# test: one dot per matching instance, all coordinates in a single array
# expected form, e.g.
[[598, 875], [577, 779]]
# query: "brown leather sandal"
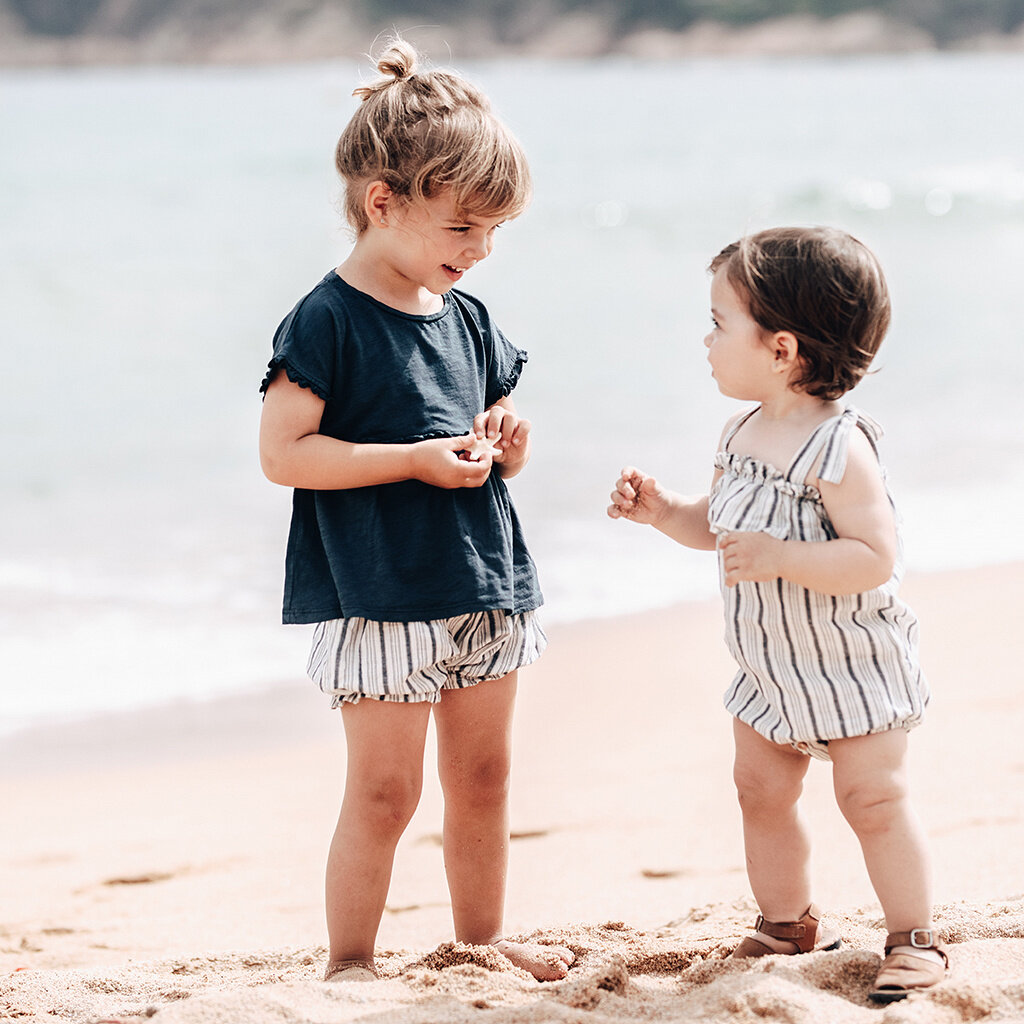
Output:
[[903, 973], [803, 935]]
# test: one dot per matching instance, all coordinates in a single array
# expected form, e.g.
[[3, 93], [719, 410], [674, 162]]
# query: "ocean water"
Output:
[[156, 225]]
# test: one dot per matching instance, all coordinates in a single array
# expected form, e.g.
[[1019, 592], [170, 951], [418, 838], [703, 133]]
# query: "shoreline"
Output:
[[326, 33], [230, 716]]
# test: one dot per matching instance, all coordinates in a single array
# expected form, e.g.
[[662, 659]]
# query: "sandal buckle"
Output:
[[922, 938]]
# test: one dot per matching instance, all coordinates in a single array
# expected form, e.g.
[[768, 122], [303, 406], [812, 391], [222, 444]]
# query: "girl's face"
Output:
[[430, 245], [740, 356]]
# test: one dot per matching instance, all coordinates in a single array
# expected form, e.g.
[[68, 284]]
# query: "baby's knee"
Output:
[[762, 793], [872, 806]]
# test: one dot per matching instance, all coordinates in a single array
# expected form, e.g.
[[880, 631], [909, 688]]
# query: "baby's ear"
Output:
[[786, 350]]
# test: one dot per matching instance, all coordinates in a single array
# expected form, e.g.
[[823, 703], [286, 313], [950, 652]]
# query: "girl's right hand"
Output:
[[638, 497], [436, 462]]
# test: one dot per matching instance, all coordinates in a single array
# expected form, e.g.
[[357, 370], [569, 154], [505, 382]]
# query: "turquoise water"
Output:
[[156, 224]]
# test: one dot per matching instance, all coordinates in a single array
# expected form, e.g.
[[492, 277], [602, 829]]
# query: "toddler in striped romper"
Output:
[[809, 551], [388, 409]]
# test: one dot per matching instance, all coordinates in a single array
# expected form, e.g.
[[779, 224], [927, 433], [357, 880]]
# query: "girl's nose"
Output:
[[707, 340], [479, 248]]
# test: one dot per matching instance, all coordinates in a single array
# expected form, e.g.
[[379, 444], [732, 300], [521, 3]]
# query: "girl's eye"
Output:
[[460, 230]]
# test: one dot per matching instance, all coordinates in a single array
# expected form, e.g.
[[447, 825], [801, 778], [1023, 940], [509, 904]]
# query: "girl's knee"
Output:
[[480, 782], [387, 802]]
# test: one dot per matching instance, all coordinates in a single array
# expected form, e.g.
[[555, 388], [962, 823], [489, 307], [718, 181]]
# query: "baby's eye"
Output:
[[461, 230]]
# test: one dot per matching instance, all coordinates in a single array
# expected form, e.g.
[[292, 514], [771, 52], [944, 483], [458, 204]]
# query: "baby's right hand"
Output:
[[637, 497], [436, 462]]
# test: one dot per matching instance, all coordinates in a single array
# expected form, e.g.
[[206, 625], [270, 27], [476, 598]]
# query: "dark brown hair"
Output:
[[424, 132], [823, 287]]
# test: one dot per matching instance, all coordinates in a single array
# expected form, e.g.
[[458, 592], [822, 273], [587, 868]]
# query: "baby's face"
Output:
[[740, 357]]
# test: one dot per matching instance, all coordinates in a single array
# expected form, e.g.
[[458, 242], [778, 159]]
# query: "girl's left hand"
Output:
[[505, 430], [753, 557]]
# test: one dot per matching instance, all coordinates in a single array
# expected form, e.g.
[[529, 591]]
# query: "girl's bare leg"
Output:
[[769, 780], [870, 781], [474, 749], [382, 788]]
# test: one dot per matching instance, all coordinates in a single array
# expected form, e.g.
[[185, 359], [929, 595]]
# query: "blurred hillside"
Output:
[[86, 31]]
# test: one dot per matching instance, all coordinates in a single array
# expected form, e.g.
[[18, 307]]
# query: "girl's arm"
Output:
[[294, 454], [859, 559], [643, 500], [504, 428]]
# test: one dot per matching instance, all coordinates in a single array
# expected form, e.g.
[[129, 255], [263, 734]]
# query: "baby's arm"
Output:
[[859, 559], [643, 500], [295, 454], [508, 432]]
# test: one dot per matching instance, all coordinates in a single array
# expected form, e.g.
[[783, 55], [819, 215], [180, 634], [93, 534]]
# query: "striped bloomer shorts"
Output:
[[354, 658]]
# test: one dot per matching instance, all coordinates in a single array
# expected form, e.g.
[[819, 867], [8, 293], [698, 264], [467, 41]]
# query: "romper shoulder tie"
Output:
[[831, 441], [740, 420]]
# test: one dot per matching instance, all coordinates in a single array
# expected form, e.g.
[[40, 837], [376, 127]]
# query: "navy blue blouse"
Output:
[[404, 551]]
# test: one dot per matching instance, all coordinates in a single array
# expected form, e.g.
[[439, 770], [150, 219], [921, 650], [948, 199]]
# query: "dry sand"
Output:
[[167, 865]]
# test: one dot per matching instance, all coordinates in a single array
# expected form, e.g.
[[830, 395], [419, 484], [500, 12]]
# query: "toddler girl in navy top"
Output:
[[387, 408]]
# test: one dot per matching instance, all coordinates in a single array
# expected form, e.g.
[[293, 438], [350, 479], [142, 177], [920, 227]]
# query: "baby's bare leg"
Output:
[[870, 781], [474, 741], [382, 787], [769, 780]]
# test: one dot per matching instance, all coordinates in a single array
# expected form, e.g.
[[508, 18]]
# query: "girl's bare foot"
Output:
[[545, 963], [351, 970]]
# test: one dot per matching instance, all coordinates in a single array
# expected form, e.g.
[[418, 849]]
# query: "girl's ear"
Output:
[[375, 203], [786, 350]]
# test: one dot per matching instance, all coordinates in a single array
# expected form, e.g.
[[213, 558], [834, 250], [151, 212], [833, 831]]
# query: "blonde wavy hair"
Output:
[[426, 132]]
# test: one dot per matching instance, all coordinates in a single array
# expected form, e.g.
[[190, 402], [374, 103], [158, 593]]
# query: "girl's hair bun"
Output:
[[398, 61]]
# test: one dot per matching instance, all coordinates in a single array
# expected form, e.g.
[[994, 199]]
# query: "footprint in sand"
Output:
[[413, 906], [435, 838], [146, 879]]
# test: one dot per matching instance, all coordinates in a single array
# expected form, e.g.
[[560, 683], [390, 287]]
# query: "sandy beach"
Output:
[[167, 865]]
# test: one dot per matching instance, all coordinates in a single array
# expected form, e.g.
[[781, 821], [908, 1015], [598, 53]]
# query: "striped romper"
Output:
[[812, 666]]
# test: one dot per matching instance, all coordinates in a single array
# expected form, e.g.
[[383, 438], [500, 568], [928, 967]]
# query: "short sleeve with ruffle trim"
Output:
[[306, 345], [505, 361], [510, 361]]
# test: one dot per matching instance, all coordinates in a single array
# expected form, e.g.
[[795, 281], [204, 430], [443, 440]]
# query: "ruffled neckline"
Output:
[[746, 467]]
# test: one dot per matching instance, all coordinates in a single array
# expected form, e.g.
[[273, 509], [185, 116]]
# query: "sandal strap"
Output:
[[780, 929], [918, 938], [794, 931]]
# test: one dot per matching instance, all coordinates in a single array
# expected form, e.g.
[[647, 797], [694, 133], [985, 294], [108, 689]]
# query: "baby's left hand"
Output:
[[754, 557], [503, 430]]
